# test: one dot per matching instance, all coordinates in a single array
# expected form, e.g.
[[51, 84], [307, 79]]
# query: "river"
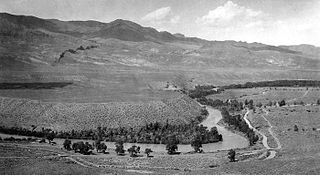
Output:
[[230, 139]]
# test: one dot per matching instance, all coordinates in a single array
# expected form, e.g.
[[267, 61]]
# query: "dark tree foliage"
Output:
[[148, 151], [100, 147], [282, 103], [202, 91], [83, 148], [239, 124], [197, 144], [172, 145], [232, 155], [80, 48], [119, 148], [276, 83], [67, 144], [231, 105], [50, 136], [134, 150], [155, 133]]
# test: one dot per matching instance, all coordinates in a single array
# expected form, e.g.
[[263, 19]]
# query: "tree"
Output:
[[259, 105], [67, 144], [246, 102], [100, 147], [83, 148], [50, 136], [148, 151], [119, 148], [232, 155], [196, 143], [250, 104], [282, 103], [295, 128], [133, 151], [172, 145]]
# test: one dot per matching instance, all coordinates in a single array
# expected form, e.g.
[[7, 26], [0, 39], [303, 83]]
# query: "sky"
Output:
[[276, 22]]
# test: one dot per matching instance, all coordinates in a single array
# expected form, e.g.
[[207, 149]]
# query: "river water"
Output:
[[230, 140]]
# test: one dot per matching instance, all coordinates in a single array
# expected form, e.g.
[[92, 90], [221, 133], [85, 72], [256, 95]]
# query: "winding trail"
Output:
[[264, 137], [270, 130]]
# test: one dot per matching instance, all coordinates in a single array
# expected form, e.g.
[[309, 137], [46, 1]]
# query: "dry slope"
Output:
[[67, 116]]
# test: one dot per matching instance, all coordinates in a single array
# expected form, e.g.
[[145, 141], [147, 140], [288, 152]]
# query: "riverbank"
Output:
[[230, 139]]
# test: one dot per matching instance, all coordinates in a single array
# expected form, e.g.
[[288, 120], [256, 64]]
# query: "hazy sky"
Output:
[[268, 21]]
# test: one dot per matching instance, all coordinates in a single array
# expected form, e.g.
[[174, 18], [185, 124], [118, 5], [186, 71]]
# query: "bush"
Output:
[[172, 145], [83, 148], [148, 151], [80, 48], [119, 148], [67, 144], [282, 103], [232, 155], [197, 144], [134, 150]]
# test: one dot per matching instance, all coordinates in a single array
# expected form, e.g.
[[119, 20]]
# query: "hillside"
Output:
[[128, 43], [85, 116], [122, 61], [305, 49]]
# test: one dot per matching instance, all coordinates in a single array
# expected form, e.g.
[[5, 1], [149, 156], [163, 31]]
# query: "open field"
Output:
[[304, 141], [308, 95]]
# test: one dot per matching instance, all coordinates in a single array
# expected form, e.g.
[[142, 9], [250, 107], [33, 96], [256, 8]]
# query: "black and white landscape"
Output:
[[84, 90]]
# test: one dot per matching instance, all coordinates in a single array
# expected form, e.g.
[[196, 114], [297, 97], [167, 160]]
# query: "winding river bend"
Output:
[[230, 139]]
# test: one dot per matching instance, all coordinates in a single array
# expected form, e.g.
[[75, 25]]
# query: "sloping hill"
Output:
[[78, 116], [305, 49]]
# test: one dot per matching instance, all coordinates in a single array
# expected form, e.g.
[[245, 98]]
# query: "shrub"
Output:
[[197, 144], [148, 151], [172, 145], [67, 144], [232, 155], [119, 148]]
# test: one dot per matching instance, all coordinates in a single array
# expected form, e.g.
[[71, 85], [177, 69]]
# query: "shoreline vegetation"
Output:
[[35, 85], [160, 133]]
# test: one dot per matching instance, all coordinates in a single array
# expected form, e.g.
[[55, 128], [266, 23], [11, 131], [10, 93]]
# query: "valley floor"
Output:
[[290, 152]]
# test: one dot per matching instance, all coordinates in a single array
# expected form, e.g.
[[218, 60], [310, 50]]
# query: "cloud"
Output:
[[231, 21], [175, 19], [157, 15], [162, 19], [230, 13]]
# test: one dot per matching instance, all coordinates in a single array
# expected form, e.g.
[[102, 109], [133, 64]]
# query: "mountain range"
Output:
[[30, 43]]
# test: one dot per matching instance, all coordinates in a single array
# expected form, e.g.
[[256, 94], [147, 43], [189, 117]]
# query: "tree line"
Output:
[[275, 83], [152, 133]]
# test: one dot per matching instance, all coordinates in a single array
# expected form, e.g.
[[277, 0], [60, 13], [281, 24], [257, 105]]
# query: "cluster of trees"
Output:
[[231, 105], [46, 133], [155, 133], [75, 51], [276, 83], [86, 148], [202, 91], [239, 124], [12, 139], [37, 85]]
